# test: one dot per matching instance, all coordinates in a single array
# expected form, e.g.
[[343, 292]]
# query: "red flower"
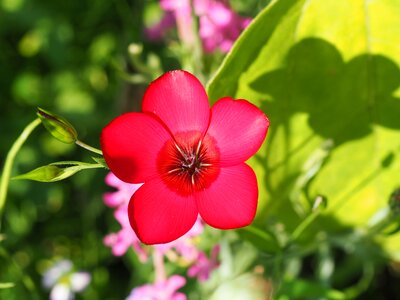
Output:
[[190, 158]]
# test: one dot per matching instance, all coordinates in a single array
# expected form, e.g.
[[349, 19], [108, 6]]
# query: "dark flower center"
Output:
[[189, 163]]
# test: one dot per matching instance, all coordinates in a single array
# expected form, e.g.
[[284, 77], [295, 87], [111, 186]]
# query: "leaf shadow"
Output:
[[343, 101]]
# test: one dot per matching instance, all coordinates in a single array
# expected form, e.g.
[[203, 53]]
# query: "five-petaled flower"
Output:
[[190, 158]]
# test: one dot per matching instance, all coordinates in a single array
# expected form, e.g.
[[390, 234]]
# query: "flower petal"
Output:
[[130, 145], [239, 128], [174, 283], [231, 200], [61, 291], [79, 281], [179, 100], [159, 215]]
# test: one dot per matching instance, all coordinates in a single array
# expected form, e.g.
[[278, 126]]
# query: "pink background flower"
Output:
[[219, 25], [125, 238], [184, 246], [164, 290], [203, 265], [119, 199]]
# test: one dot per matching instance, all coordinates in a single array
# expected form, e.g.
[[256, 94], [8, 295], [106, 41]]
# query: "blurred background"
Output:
[[62, 56], [90, 61], [87, 61]]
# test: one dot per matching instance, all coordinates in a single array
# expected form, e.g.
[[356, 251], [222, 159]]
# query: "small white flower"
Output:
[[63, 282], [79, 281], [61, 291], [53, 274]]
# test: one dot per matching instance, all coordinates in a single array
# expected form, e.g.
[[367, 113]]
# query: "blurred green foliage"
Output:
[[62, 56], [90, 61]]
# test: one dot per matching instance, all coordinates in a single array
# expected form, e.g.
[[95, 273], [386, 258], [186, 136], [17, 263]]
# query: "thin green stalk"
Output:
[[5, 178], [277, 272], [135, 51], [22, 276], [363, 284], [197, 51], [92, 166], [87, 147], [267, 237], [158, 262], [304, 224], [188, 33]]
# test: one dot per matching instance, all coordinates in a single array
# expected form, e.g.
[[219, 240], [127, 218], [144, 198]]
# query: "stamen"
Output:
[[204, 165], [174, 170], [193, 179], [189, 163], [198, 148], [180, 150]]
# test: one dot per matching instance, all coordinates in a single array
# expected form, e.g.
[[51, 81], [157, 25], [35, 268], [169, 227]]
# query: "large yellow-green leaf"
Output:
[[326, 72]]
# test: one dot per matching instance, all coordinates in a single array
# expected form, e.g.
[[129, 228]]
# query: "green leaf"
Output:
[[57, 171], [299, 289], [322, 70], [58, 127]]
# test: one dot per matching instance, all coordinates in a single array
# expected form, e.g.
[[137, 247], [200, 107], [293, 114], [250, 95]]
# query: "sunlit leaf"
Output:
[[322, 70]]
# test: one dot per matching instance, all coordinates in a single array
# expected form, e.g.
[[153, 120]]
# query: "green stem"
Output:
[[5, 178], [21, 275], [260, 233], [363, 284], [304, 224], [197, 51], [135, 51], [191, 46], [87, 147], [277, 272], [92, 166], [158, 261]]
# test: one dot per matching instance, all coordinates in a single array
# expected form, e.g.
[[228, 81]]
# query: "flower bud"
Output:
[[58, 127]]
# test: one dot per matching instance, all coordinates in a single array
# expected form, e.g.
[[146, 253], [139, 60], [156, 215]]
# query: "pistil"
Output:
[[189, 162]]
